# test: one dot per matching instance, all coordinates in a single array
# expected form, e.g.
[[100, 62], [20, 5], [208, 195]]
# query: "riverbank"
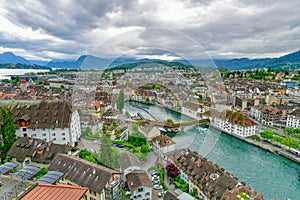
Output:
[[272, 175], [263, 145], [266, 146]]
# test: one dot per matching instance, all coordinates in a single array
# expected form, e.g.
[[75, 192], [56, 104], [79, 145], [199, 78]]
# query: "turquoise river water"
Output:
[[272, 175]]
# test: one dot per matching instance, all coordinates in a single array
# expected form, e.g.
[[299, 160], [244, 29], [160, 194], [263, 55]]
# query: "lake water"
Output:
[[272, 175], [6, 73]]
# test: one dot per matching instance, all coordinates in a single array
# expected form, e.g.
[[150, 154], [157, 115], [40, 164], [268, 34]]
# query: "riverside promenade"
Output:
[[264, 145]]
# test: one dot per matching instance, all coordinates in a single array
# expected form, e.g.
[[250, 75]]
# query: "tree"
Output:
[[121, 100], [7, 133], [170, 121], [104, 128], [288, 131], [172, 170], [267, 134], [145, 148], [87, 131], [107, 156]]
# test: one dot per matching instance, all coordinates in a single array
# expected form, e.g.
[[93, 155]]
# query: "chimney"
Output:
[[50, 143], [30, 140], [199, 163]]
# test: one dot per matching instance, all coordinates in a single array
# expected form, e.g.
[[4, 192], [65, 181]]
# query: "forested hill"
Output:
[[23, 66], [289, 61], [173, 65]]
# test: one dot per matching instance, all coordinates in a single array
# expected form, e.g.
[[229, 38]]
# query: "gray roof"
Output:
[[129, 160], [82, 172], [38, 150]]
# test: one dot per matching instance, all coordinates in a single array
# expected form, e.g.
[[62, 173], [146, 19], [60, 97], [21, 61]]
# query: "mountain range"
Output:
[[291, 60]]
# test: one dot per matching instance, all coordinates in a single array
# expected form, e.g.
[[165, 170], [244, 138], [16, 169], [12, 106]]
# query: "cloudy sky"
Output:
[[149, 28]]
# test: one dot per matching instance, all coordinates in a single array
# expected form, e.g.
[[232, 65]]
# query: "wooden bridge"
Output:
[[173, 127]]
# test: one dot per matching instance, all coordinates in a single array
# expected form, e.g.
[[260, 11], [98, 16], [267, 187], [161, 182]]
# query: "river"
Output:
[[6, 73], [272, 175]]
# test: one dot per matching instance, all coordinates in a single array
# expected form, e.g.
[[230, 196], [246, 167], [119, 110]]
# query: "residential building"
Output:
[[267, 115], [281, 99], [233, 194], [208, 179], [192, 109], [128, 163], [34, 151], [55, 120], [235, 123], [58, 192], [150, 131], [103, 183], [162, 144], [293, 119], [140, 185]]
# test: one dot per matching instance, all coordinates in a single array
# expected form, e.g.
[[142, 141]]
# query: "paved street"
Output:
[[89, 145]]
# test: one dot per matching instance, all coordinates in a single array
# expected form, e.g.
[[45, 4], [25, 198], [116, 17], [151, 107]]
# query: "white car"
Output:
[[161, 194], [157, 187]]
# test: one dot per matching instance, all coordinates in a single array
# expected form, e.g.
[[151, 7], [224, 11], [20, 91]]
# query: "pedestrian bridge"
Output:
[[176, 127]]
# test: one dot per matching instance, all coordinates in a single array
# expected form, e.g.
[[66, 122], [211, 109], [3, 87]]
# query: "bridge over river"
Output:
[[272, 175], [177, 126]]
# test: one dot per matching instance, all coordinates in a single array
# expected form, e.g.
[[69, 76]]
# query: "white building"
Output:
[[128, 163], [293, 119], [234, 123], [192, 109], [55, 121], [140, 185], [162, 144]]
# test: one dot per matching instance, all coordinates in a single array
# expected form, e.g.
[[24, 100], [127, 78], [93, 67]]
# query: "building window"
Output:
[[63, 134], [54, 138], [53, 134], [140, 189], [63, 138], [24, 129], [33, 135], [44, 134]]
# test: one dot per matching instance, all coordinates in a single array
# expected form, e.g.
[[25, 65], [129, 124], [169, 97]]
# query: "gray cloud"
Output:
[[238, 28]]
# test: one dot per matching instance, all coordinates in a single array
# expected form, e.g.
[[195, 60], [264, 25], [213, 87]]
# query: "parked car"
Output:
[[154, 173], [157, 187], [161, 194], [155, 178], [156, 182]]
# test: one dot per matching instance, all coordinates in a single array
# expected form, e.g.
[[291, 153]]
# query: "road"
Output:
[[90, 145]]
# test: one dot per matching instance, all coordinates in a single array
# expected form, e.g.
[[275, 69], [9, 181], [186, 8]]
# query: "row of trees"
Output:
[[290, 142]]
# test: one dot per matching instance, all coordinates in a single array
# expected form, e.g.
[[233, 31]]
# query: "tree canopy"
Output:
[[121, 100], [7, 133]]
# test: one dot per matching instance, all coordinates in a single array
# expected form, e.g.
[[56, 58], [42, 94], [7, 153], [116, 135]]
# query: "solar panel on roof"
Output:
[[27, 172], [51, 177], [6, 167]]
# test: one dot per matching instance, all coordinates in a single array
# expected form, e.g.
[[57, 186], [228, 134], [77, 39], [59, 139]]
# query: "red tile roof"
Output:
[[58, 192]]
